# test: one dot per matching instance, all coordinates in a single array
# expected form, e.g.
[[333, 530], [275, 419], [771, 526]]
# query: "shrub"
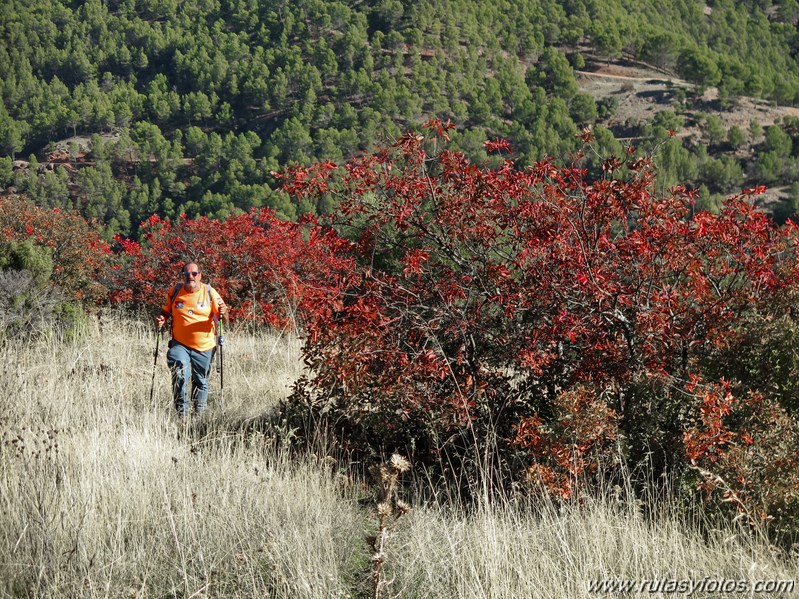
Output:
[[745, 446], [52, 264], [6, 170], [25, 256], [81, 258], [736, 137], [606, 107], [29, 303], [530, 310], [265, 268]]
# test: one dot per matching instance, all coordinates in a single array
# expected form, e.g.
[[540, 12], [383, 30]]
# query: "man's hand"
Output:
[[160, 320]]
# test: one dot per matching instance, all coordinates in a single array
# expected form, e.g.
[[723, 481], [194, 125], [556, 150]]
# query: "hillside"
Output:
[[640, 91], [125, 108]]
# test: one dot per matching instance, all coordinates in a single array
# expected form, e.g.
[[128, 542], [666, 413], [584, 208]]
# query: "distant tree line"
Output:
[[188, 106]]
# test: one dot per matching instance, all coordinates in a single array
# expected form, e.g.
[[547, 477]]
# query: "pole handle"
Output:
[[157, 342], [155, 362]]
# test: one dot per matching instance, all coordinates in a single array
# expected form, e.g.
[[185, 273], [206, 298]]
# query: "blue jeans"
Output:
[[186, 363]]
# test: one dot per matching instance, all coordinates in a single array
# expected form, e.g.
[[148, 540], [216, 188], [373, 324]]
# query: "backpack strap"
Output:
[[208, 298], [178, 287], [175, 292]]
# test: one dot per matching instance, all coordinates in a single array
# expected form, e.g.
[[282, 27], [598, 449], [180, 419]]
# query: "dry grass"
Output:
[[122, 507], [546, 551], [99, 497]]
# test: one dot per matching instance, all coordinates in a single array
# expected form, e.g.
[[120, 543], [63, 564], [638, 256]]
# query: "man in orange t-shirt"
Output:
[[195, 309]]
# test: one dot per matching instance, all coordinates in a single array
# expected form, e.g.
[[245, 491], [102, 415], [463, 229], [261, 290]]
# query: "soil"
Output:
[[642, 90]]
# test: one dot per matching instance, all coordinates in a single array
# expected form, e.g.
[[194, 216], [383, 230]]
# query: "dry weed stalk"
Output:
[[730, 496], [389, 509]]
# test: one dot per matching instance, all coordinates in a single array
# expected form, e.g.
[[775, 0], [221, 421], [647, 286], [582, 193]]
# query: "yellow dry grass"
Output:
[[100, 497]]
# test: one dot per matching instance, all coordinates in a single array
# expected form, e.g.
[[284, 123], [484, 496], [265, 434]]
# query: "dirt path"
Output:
[[630, 77]]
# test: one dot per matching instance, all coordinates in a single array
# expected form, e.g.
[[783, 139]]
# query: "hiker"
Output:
[[195, 309]]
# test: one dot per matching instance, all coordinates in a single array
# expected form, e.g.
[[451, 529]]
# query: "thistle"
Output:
[[389, 509]]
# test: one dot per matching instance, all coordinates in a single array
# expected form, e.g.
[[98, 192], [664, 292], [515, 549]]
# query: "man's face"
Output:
[[191, 276]]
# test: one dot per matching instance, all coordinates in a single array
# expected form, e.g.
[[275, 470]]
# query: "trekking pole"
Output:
[[220, 365], [155, 362]]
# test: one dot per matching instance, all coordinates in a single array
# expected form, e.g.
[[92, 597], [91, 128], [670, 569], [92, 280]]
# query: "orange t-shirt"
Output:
[[192, 322]]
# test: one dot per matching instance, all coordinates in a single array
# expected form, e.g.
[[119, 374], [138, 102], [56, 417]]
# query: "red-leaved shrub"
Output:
[[535, 311], [82, 258], [266, 268]]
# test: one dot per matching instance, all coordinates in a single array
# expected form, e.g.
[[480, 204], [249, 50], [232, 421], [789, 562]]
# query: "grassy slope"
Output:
[[99, 497]]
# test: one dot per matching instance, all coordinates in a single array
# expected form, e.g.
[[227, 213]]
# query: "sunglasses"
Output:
[[190, 273]]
